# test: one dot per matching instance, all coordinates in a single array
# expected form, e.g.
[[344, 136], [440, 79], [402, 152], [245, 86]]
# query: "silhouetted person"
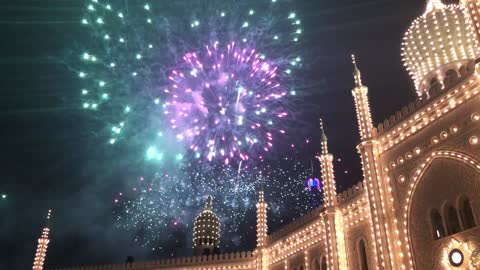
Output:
[[130, 260]]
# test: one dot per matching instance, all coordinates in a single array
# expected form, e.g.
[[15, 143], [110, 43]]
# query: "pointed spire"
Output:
[[434, 5], [49, 215], [324, 139], [208, 203], [356, 73], [42, 245]]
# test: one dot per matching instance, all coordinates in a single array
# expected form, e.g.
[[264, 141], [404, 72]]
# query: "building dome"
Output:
[[442, 39], [473, 8], [206, 230]]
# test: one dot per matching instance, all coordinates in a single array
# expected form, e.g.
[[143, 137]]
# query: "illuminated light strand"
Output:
[[426, 54], [42, 246], [419, 171], [430, 114]]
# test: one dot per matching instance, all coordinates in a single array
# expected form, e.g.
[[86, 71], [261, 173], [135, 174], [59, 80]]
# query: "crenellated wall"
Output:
[[243, 260], [435, 91]]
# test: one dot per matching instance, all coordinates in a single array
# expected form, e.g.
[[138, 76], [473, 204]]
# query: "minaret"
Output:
[[336, 258], [262, 254], [377, 188], [360, 95], [42, 245], [328, 178], [261, 220]]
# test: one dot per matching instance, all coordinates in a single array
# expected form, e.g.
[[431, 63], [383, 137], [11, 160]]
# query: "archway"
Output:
[[439, 180]]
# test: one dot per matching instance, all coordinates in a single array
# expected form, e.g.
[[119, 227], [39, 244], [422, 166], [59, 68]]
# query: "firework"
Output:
[[210, 80], [152, 208]]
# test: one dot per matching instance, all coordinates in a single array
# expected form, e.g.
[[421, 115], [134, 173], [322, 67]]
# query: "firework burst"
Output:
[[211, 80], [153, 207]]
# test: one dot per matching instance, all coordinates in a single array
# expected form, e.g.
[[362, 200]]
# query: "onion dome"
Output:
[[440, 40], [473, 8], [206, 228]]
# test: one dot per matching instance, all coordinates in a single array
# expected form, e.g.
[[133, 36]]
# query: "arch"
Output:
[[324, 263], [451, 76], [301, 267], [465, 213], [362, 254], [436, 221], [435, 85], [315, 265], [452, 223], [419, 173]]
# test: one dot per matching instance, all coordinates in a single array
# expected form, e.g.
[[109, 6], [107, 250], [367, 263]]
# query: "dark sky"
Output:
[[47, 161]]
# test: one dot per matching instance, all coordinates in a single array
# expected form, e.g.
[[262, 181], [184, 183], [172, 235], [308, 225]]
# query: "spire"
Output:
[[356, 73], [324, 139], [208, 203], [42, 245], [261, 196], [434, 5], [261, 220]]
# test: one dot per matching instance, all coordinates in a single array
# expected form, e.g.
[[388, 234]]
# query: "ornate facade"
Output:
[[418, 206]]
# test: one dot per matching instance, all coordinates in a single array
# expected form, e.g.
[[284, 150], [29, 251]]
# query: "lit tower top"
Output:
[[42, 245], [439, 40], [261, 220], [362, 106], [206, 230], [473, 8]]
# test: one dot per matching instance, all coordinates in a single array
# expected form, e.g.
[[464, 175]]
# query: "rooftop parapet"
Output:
[[456, 77], [233, 257], [351, 192], [296, 224]]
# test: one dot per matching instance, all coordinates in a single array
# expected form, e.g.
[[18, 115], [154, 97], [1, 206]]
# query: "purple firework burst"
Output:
[[225, 101]]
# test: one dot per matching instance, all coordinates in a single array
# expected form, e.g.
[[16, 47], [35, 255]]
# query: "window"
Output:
[[466, 214], [437, 226], [451, 220], [315, 265], [324, 263], [362, 255]]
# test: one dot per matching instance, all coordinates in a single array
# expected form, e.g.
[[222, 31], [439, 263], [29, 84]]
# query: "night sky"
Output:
[[50, 159]]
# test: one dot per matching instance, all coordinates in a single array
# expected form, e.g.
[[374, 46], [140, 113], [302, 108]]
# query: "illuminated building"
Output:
[[418, 204], [42, 246], [206, 231]]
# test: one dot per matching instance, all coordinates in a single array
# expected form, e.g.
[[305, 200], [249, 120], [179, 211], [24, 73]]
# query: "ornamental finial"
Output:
[[324, 140], [434, 5], [208, 203], [356, 72], [324, 136]]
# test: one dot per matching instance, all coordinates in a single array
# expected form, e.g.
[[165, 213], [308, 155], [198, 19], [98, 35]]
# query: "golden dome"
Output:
[[206, 228], [440, 40]]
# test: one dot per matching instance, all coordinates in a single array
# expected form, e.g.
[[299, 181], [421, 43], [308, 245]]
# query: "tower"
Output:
[[333, 220], [376, 186], [262, 257], [42, 245], [206, 231], [432, 56]]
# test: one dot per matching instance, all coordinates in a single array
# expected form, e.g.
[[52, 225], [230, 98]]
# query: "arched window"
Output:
[[451, 76], [315, 265], [451, 220], [437, 226], [324, 263], [362, 255], [301, 267], [466, 213]]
